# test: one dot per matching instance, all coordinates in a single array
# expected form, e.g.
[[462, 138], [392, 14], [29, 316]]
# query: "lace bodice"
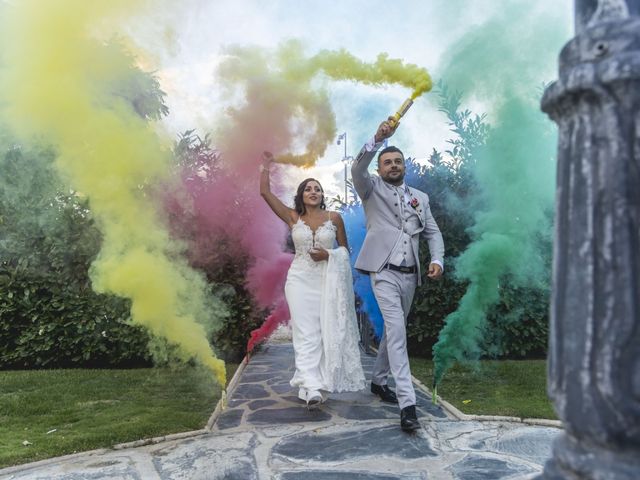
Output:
[[305, 239]]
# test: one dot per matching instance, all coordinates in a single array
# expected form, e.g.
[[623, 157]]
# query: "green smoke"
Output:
[[502, 64]]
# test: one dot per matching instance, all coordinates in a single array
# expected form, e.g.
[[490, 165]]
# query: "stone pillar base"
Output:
[[584, 461]]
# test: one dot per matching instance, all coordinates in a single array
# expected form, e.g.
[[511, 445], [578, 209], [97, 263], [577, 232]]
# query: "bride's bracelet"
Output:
[[264, 169]]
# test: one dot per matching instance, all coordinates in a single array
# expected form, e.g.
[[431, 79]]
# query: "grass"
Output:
[[67, 411], [516, 388]]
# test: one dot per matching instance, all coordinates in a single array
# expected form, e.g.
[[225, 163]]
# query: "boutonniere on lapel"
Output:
[[415, 204]]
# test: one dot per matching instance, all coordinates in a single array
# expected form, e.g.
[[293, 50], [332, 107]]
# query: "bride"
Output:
[[319, 292]]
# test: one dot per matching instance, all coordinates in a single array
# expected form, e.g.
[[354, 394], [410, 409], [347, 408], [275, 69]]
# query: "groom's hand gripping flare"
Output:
[[386, 129], [395, 118]]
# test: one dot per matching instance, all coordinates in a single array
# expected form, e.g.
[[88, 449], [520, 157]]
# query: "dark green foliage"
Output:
[[519, 325], [49, 316], [433, 301], [140, 90], [244, 315]]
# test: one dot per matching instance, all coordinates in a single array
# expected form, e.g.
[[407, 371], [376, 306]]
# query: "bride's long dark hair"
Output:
[[299, 204]]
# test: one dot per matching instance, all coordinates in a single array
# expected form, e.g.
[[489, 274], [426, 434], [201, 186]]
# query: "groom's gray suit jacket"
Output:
[[385, 222]]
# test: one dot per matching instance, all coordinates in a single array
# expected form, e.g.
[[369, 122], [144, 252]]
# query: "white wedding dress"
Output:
[[323, 318]]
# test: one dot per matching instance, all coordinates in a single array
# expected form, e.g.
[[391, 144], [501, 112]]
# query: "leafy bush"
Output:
[[519, 325], [49, 316]]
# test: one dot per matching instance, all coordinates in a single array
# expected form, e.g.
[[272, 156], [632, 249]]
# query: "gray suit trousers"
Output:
[[394, 293]]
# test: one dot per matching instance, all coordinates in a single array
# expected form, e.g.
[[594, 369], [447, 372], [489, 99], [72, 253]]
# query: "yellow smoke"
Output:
[[284, 106], [58, 80], [341, 65]]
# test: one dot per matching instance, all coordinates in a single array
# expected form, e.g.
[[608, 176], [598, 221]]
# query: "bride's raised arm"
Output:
[[288, 215]]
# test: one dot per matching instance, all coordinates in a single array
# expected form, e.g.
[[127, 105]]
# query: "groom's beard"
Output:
[[394, 179]]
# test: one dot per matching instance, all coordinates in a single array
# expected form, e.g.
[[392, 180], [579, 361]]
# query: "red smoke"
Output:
[[219, 205]]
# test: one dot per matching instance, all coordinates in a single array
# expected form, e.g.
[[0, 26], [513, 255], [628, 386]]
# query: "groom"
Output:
[[397, 216]]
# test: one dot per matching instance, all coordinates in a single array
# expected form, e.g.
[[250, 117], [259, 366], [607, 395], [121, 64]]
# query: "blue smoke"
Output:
[[355, 225]]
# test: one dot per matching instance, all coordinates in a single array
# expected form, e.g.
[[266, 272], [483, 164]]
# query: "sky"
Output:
[[183, 42]]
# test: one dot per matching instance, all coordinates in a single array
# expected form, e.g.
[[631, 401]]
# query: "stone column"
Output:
[[594, 350]]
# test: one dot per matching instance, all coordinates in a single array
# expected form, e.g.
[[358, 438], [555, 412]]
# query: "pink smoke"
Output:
[[279, 315], [219, 203], [280, 109]]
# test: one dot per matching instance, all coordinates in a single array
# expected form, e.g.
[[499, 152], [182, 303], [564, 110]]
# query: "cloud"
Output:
[[188, 42]]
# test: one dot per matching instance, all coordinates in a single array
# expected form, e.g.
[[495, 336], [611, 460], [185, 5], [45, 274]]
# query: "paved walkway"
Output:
[[267, 433]]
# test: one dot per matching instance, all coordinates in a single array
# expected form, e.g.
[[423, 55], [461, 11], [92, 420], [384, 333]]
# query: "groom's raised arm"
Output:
[[362, 180]]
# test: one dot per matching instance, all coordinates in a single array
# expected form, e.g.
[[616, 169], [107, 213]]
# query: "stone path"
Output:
[[267, 433]]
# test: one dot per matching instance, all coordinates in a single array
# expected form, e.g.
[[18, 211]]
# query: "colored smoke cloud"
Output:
[[62, 81], [503, 63], [283, 107]]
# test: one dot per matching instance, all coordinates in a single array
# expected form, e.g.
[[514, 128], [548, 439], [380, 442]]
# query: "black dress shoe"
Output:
[[386, 394], [409, 419]]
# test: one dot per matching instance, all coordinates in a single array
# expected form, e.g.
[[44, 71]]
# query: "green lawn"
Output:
[[67, 411], [515, 388]]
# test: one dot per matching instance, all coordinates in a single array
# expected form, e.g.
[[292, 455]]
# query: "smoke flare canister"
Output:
[[401, 111]]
